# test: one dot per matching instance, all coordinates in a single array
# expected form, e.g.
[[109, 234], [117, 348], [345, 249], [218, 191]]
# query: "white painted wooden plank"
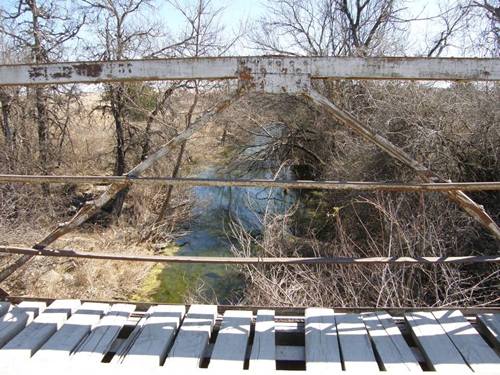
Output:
[[15, 320], [394, 352], [476, 352], [31, 338], [121, 348], [4, 308], [155, 337], [192, 339], [434, 343], [74, 330], [228, 67], [232, 341], [355, 346], [410, 355], [322, 351], [263, 355], [100, 339], [491, 326]]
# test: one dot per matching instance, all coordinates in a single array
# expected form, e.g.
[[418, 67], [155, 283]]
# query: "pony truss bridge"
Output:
[[44, 336]]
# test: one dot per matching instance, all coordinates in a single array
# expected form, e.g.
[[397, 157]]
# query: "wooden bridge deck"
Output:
[[69, 335]]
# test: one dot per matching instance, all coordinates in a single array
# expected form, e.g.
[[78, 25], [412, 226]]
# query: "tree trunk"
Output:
[[146, 143], [41, 118], [39, 56], [5, 103], [117, 107], [168, 196], [178, 162], [43, 134], [120, 164]]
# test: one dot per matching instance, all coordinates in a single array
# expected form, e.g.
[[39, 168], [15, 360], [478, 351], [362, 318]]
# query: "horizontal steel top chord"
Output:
[[211, 68]]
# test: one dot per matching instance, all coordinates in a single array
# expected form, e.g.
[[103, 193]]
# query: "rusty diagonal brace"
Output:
[[272, 76], [277, 77]]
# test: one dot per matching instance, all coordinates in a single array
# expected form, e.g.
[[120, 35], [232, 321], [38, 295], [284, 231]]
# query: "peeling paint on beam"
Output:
[[130, 70], [127, 70], [396, 68], [400, 68]]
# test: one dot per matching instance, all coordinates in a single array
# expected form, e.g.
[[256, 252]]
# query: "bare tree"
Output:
[[6, 103], [465, 27], [118, 38], [452, 20], [6, 97], [326, 27], [39, 30], [490, 9], [204, 36]]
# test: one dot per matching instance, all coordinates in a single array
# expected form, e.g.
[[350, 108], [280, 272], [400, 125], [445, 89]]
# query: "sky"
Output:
[[237, 11]]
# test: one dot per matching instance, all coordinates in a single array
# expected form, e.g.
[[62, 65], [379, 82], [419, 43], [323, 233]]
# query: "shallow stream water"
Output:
[[208, 234]]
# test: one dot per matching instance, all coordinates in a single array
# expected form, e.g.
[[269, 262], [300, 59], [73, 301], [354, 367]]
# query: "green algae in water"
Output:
[[173, 283], [168, 283], [214, 208]]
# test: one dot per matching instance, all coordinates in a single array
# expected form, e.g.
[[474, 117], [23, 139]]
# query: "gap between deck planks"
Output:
[[476, 352], [149, 345], [192, 338], [490, 324], [99, 341]]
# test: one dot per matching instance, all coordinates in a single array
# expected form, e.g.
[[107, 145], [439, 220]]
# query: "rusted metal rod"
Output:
[[248, 260], [283, 184]]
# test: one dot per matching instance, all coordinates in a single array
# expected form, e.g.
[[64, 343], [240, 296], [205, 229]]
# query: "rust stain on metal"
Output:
[[36, 72], [124, 68], [66, 72], [245, 73], [88, 69]]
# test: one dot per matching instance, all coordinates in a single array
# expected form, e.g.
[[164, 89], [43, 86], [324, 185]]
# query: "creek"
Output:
[[208, 233]]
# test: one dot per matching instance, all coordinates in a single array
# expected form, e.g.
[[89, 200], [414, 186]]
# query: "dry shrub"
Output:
[[85, 278], [393, 230], [453, 130]]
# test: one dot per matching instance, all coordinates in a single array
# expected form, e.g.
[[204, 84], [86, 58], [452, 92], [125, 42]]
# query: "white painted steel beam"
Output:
[[412, 68]]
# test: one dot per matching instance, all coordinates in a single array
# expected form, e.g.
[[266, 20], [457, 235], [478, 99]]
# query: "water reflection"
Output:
[[207, 234]]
